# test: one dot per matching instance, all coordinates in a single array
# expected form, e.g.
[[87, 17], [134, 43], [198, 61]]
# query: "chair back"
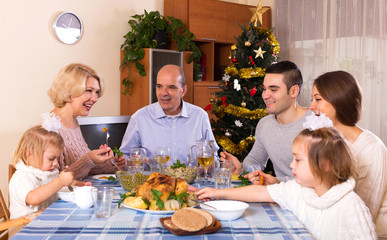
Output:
[[11, 171], [4, 216]]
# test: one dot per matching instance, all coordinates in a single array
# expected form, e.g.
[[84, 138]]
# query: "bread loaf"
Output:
[[189, 220]]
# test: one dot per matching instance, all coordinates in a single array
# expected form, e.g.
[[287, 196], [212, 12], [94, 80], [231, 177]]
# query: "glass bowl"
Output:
[[188, 173], [130, 180]]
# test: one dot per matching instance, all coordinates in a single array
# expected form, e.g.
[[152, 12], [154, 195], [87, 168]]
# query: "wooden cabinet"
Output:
[[214, 23], [143, 92]]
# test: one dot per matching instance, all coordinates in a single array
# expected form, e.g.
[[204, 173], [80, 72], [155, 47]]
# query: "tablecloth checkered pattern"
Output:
[[63, 220]]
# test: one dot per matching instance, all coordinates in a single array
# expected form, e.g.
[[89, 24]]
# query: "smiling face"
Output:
[[320, 105], [276, 95], [169, 89], [50, 158], [81, 105], [300, 165]]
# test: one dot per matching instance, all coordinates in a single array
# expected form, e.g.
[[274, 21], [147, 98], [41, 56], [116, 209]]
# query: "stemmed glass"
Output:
[[137, 157], [205, 155], [162, 155]]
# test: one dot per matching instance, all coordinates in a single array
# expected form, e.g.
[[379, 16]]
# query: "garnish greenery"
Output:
[[124, 196], [178, 164], [117, 152], [179, 197], [244, 181], [111, 178], [156, 196]]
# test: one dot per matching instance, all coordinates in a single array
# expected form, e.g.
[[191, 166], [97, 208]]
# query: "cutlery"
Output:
[[71, 188], [201, 202]]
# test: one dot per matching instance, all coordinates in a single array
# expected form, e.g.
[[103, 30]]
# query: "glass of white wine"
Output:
[[137, 157], [162, 155], [205, 155]]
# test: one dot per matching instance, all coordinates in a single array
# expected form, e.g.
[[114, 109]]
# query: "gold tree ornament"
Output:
[[247, 43], [257, 13], [259, 53]]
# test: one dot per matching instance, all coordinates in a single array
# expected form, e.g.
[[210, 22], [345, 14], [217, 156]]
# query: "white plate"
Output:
[[99, 177], [148, 211], [236, 181]]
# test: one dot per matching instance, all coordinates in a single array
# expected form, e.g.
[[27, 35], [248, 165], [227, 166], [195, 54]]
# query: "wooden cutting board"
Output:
[[180, 232]]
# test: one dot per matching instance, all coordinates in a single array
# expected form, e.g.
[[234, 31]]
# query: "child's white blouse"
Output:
[[337, 214], [24, 180]]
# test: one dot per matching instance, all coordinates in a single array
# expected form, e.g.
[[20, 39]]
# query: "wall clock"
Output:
[[68, 28]]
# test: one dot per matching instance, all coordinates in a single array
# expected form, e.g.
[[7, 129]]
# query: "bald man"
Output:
[[170, 122]]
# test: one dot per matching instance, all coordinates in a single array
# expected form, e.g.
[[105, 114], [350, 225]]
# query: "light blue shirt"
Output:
[[150, 128]]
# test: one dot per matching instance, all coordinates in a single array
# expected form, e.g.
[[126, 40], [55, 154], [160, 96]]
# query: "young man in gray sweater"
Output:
[[275, 133]]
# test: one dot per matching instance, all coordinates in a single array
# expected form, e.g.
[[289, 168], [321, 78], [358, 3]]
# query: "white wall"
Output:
[[30, 57]]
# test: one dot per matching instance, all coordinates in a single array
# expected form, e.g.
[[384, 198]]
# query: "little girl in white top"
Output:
[[321, 194], [34, 185]]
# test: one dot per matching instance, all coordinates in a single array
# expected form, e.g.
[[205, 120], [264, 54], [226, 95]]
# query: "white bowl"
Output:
[[225, 209], [65, 194]]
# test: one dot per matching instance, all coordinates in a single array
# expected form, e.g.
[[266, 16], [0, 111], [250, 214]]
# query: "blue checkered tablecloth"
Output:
[[64, 220]]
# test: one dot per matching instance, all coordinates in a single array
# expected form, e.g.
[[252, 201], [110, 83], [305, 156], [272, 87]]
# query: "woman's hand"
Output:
[[81, 183], [101, 155], [256, 176], [120, 161], [236, 165]]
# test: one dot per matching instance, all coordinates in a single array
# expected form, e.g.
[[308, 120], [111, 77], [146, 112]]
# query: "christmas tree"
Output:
[[239, 106]]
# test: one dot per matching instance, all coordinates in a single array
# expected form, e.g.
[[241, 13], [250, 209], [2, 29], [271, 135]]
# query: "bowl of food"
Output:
[[65, 193], [180, 170], [225, 209], [130, 180]]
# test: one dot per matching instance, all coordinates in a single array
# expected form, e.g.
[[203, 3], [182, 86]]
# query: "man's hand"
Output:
[[236, 165], [255, 178]]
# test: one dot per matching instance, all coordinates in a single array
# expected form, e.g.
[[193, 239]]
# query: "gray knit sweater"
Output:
[[274, 140]]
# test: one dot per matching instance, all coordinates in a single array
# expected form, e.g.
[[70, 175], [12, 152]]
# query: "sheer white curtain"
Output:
[[328, 35]]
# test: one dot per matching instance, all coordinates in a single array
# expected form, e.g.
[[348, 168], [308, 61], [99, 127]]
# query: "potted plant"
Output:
[[142, 35]]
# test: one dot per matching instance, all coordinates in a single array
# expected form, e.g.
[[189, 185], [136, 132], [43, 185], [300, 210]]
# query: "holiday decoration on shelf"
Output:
[[239, 106]]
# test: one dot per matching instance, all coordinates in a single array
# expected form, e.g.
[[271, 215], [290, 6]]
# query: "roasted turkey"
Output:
[[165, 184]]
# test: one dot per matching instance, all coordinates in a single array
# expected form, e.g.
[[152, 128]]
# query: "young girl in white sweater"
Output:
[[34, 185], [321, 195]]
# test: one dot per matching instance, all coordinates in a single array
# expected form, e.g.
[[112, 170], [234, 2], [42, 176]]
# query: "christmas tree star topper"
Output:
[[257, 13], [259, 53]]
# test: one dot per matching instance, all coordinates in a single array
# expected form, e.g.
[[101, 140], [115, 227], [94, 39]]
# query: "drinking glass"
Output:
[[137, 157], [103, 198], [205, 155], [223, 173], [162, 155]]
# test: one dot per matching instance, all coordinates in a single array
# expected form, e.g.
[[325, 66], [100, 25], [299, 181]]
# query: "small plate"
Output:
[[103, 177], [236, 181]]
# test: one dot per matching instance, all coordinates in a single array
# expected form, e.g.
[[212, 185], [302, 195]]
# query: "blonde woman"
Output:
[[74, 92]]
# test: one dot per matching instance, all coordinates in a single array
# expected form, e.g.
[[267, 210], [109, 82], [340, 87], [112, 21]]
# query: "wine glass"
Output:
[[205, 155], [162, 155], [137, 157]]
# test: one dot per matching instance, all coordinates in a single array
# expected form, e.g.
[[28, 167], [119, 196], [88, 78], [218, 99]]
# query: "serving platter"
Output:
[[148, 211]]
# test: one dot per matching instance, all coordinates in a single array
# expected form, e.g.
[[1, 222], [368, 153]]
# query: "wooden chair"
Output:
[[11, 171], [4, 216], [7, 223]]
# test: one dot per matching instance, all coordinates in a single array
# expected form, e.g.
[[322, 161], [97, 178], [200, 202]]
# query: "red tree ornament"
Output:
[[234, 60], [253, 91]]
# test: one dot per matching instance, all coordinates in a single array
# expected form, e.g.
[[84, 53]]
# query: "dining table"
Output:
[[64, 220]]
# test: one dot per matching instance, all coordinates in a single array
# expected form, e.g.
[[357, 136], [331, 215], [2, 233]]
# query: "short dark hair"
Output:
[[329, 155], [291, 72], [341, 90]]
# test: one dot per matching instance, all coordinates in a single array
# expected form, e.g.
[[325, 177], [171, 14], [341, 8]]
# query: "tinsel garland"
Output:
[[245, 72], [240, 112], [232, 147]]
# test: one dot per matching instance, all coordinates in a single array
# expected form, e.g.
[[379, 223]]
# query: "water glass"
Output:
[[103, 198], [223, 174]]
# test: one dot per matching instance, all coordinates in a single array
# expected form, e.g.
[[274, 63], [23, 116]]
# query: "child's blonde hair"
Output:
[[34, 142], [329, 156]]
